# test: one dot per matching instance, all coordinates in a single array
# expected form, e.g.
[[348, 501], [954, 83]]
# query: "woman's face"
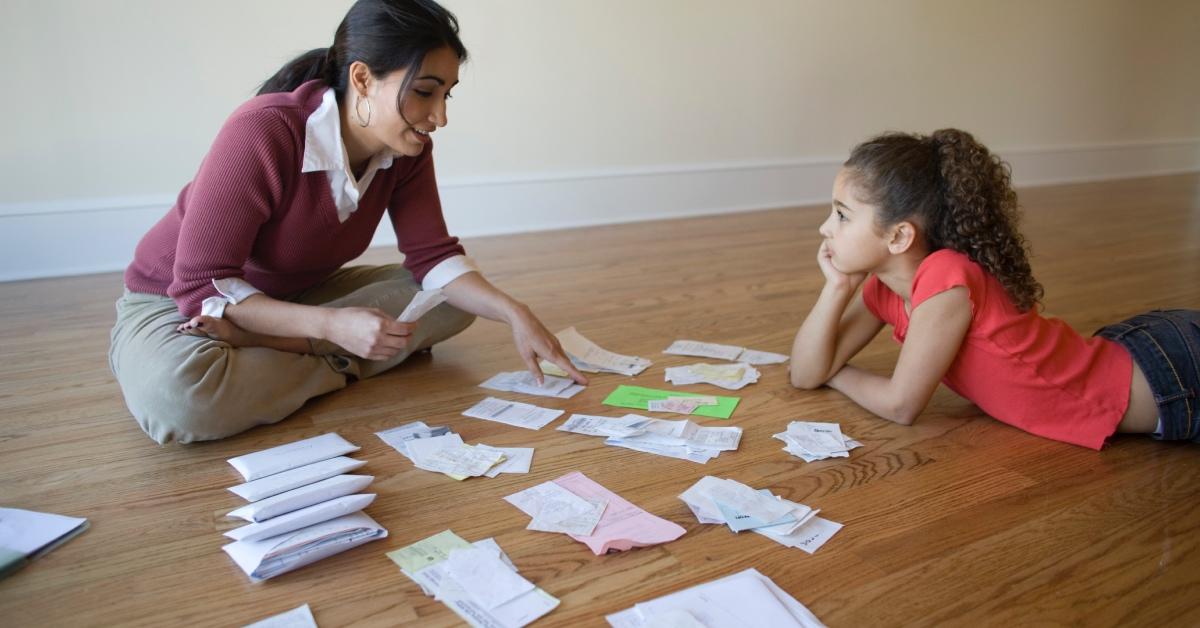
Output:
[[424, 104]]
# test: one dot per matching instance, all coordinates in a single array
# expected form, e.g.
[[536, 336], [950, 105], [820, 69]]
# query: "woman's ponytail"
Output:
[[961, 195], [314, 64], [386, 35]]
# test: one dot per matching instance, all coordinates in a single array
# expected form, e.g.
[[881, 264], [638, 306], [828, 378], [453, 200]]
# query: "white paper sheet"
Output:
[[588, 356], [485, 577], [513, 413], [742, 600], [517, 460], [302, 518], [750, 356], [809, 537], [267, 462], [299, 617], [27, 532], [556, 509], [524, 382], [704, 349], [398, 437], [297, 498], [420, 305], [435, 580], [280, 554], [295, 478], [728, 376], [593, 425]]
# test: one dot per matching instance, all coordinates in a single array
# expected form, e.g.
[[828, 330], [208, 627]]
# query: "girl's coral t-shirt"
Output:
[[1034, 373]]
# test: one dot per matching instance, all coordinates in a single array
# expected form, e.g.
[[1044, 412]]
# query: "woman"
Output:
[[237, 309]]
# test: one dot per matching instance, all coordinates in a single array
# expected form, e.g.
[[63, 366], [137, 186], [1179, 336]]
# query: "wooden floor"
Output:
[[957, 520]]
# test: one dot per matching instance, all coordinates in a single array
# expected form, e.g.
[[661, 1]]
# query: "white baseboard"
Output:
[[82, 236]]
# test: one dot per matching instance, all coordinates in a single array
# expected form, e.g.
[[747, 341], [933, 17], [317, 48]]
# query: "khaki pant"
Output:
[[186, 388]]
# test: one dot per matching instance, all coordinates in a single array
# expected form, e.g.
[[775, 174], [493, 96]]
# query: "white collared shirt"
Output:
[[324, 151]]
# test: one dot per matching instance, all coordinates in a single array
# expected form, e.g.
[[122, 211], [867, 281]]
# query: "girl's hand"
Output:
[[833, 276], [216, 329], [368, 333], [534, 341]]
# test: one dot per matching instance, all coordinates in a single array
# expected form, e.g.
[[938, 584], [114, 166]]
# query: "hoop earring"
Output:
[[361, 122]]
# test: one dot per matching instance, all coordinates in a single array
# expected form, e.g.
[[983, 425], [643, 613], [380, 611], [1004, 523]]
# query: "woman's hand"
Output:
[[368, 333], [534, 341], [833, 276]]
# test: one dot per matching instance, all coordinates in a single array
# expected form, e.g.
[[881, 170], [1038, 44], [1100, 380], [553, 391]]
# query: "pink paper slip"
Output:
[[623, 526]]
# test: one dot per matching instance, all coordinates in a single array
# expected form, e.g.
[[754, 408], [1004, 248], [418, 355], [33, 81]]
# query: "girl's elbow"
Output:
[[805, 384], [805, 381], [905, 414]]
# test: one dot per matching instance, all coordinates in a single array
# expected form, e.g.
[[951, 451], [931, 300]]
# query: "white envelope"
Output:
[[301, 476], [260, 464], [302, 518], [280, 554], [297, 498]]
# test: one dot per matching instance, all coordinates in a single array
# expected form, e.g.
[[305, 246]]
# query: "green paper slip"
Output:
[[426, 552], [636, 397]]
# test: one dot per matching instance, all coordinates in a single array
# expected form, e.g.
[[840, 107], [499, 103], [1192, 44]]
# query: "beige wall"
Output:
[[576, 112], [122, 98]]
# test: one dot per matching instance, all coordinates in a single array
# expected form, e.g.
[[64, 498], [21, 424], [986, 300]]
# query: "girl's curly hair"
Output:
[[958, 192]]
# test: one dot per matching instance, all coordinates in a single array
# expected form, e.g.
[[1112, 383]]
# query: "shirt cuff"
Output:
[[233, 290], [448, 270]]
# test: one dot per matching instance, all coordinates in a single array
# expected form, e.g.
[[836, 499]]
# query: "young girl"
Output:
[[927, 227], [237, 308]]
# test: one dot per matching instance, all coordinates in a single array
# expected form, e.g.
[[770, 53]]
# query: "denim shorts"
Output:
[[1166, 345]]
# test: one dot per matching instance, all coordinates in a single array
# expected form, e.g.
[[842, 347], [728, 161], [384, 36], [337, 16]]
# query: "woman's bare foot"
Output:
[[216, 329]]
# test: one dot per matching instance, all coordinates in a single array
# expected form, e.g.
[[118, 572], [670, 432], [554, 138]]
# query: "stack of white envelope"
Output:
[[728, 376], [523, 382], [816, 441], [591, 514], [716, 500], [746, 598], [681, 439], [475, 580], [724, 352], [442, 451], [303, 506], [586, 355]]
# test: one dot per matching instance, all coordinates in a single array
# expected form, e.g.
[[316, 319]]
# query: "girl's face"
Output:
[[851, 236], [424, 105]]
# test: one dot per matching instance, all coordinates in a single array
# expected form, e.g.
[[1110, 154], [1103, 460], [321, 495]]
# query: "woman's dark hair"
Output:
[[387, 35], [958, 192]]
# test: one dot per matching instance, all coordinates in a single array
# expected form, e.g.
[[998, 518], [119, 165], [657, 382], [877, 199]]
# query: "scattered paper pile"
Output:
[[523, 382], [640, 398], [475, 580], [724, 352], [440, 450], [816, 441], [727, 376], [680, 405], [714, 500], [746, 598], [587, 356], [513, 413], [303, 506], [591, 514], [681, 439]]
